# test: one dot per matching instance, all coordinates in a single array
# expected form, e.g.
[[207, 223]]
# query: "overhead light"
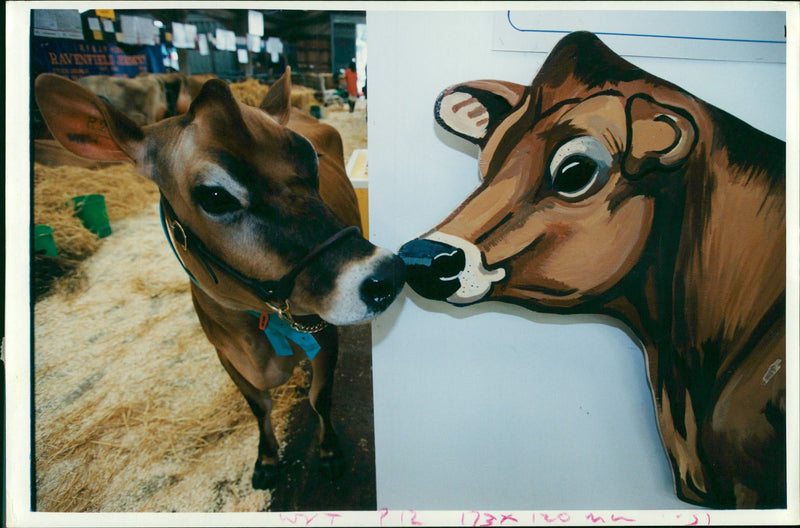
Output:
[[159, 24]]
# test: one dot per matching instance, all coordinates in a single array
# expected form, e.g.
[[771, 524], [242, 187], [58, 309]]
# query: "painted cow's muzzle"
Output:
[[444, 267]]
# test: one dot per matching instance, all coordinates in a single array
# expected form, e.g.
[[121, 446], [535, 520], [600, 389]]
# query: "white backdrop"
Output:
[[493, 406]]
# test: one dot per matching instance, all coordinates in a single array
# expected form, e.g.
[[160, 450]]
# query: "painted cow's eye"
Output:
[[579, 167], [215, 200], [574, 173]]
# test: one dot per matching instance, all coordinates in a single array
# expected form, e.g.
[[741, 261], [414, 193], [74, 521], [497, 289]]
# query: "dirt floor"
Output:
[[133, 411]]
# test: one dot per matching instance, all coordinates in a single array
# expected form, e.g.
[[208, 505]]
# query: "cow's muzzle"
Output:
[[447, 268], [432, 268]]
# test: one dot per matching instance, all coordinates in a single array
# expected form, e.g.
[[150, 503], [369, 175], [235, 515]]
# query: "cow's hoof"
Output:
[[265, 476], [332, 464]]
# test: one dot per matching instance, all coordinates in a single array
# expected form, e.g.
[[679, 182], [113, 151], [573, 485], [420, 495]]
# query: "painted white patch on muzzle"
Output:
[[475, 280], [345, 304]]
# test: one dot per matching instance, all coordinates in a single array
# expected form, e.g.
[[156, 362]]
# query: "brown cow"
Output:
[[145, 99], [175, 87], [259, 210], [607, 190]]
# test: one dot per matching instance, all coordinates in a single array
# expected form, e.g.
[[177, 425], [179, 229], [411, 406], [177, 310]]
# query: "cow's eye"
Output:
[[579, 167], [574, 174], [215, 200]]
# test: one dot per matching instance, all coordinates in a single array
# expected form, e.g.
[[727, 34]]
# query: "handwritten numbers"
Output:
[[406, 517]]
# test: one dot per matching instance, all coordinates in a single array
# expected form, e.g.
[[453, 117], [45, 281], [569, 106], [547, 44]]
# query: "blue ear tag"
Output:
[[280, 333]]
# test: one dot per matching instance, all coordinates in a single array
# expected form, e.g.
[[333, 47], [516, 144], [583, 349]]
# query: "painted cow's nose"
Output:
[[433, 267], [384, 283]]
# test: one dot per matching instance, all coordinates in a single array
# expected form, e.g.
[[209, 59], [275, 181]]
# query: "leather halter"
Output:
[[275, 294]]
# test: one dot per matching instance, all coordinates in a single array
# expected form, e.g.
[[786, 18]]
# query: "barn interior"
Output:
[[133, 411]]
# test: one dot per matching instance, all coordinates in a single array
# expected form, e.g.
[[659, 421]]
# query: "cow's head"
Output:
[[247, 186], [569, 167]]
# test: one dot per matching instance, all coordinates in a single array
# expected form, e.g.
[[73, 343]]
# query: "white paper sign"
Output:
[[255, 23], [254, 43], [57, 23], [202, 44], [719, 35]]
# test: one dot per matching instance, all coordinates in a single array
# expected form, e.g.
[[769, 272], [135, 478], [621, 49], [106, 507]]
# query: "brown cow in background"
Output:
[[148, 97], [607, 190]]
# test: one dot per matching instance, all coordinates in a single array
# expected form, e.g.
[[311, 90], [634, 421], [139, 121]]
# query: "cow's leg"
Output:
[[265, 472], [320, 396]]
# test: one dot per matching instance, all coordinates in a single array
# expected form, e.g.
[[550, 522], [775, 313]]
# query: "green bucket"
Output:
[[91, 209], [43, 241], [316, 111]]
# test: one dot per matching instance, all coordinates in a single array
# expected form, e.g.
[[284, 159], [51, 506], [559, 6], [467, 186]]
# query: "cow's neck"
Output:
[[712, 275], [715, 265]]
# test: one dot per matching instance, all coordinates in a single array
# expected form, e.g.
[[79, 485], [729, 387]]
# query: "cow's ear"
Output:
[[660, 137], [216, 106], [278, 101], [472, 109], [84, 124]]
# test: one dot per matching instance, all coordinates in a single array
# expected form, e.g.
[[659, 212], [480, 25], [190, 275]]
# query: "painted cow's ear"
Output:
[[278, 101], [471, 109], [84, 124], [660, 137]]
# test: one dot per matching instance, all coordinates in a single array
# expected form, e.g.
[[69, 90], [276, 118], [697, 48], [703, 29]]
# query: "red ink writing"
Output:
[[414, 521], [297, 517], [490, 519], [562, 517], [616, 518], [696, 520], [485, 519], [407, 517]]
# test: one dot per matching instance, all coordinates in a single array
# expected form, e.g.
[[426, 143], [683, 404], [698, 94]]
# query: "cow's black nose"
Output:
[[382, 286], [433, 268]]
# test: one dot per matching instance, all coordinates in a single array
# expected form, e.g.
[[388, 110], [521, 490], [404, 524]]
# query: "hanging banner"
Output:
[[78, 59]]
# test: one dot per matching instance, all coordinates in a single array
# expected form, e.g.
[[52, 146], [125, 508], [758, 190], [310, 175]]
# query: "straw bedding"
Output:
[[351, 126], [251, 92], [125, 193], [146, 403], [133, 410]]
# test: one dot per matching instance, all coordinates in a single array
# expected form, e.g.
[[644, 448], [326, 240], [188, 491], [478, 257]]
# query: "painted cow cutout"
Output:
[[607, 190], [259, 211]]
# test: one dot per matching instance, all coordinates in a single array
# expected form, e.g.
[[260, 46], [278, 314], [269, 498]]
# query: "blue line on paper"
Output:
[[643, 35]]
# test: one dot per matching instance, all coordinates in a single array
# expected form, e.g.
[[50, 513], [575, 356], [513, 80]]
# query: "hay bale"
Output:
[[250, 91], [125, 193], [327, 79], [303, 98]]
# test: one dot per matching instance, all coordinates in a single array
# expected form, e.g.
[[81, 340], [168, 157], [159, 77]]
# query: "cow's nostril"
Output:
[[380, 289], [433, 267]]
